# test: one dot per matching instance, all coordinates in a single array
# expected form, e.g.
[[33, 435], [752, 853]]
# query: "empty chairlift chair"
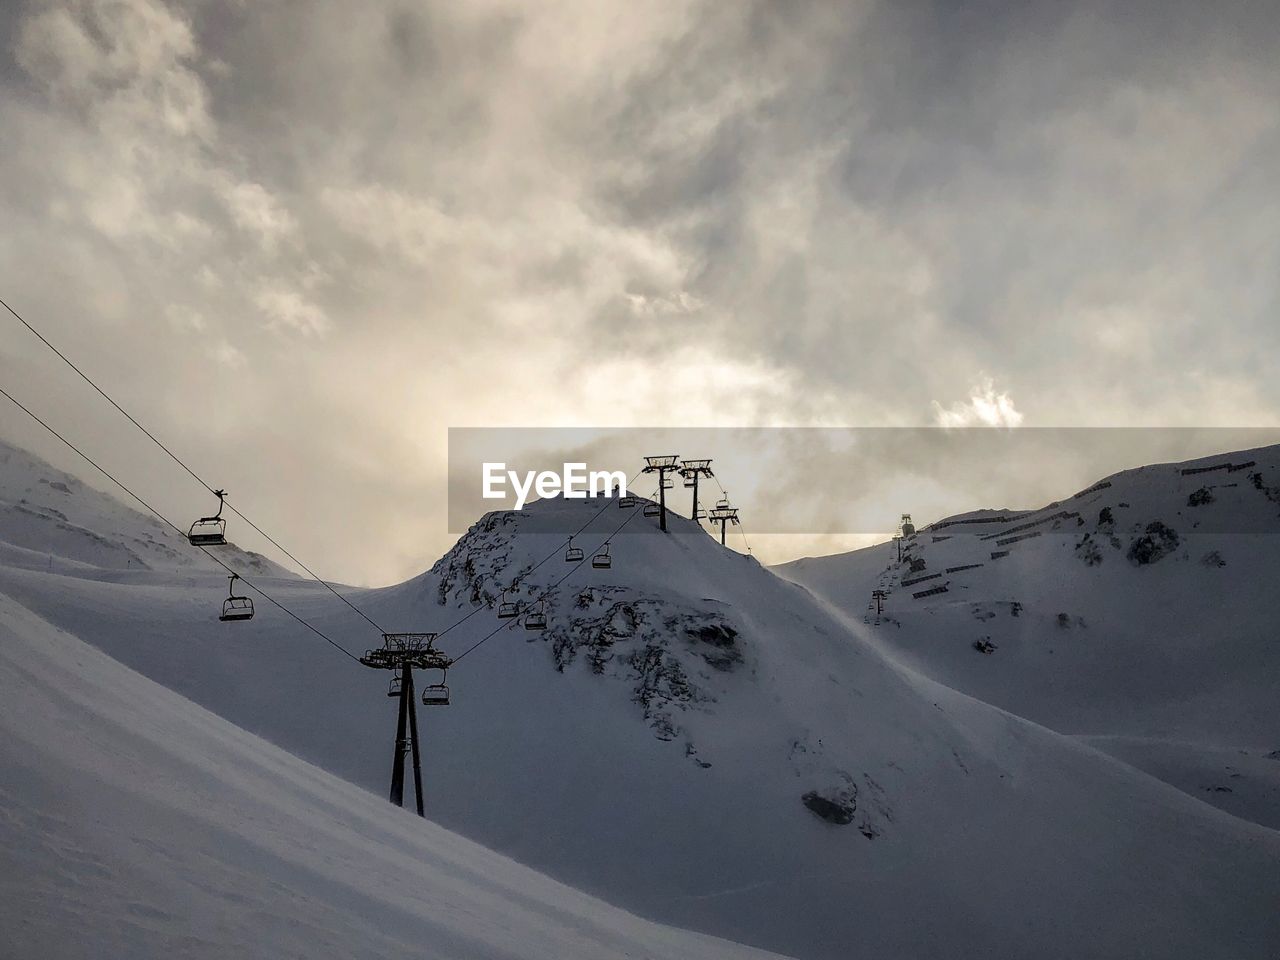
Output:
[[234, 607], [393, 690], [652, 509], [536, 619], [627, 502], [210, 531], [602, 560], [508, 609], [573, 554], [436, 694]]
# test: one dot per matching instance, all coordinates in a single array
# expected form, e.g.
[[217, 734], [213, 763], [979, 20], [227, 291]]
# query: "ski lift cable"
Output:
[[547, 558], [180, 462], [545, 593], [249, 583]]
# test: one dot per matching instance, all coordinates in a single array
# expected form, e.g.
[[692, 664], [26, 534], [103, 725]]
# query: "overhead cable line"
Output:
[[253, 586], [180, 462]]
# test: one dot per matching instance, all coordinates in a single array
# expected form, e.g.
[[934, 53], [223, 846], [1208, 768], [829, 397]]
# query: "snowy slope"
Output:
[[51, 521], [1161, 652], [689, 738], [135, 824]]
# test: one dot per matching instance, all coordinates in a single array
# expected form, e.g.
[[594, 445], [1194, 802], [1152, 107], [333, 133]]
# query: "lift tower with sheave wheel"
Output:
[[724, 514], [401, 652], [662, 466], [691, 470]]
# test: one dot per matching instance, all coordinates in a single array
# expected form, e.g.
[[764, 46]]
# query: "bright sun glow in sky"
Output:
[[300, 248]]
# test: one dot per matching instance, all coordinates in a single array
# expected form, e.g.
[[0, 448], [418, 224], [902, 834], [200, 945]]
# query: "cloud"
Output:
[[259, 213], [984, 408], [402, 218], [288, 310]]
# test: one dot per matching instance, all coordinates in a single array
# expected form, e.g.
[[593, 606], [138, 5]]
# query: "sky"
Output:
[[302, 241]]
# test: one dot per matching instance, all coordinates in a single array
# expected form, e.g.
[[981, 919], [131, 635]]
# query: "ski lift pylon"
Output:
[[210, 531]]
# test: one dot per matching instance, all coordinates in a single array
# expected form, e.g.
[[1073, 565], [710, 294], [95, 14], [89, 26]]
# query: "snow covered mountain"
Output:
[[704, 743], [1136, 614]]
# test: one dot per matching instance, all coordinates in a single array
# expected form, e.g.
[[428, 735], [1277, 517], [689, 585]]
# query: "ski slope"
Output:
[[1170, 664], [135, 824], [705, 744]]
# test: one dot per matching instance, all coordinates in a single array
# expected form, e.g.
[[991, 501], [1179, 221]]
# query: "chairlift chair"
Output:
[[652, 509], [235, 608], [210, 531], [602, 560], [627, 502], [508, 609], [536, 619], [667, 483], [690, 483], [573, 554], [436, 694], [394, 689]]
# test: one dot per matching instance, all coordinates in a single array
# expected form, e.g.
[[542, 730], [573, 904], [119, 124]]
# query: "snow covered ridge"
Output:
[[1244, 488], [1137, 612], [705, 744], [642, 638], [52, 521]]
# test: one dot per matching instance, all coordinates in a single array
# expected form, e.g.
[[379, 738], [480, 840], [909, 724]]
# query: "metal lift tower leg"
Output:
[[413, 736], [397, 769]]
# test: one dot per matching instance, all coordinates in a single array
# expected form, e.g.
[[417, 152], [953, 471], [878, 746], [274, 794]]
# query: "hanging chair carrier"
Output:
[[536, 619], [436, 694], [508, 609], [210, 531], [234, 607]]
